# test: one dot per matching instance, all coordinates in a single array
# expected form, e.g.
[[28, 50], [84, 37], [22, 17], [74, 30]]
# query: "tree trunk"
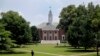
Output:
[[97, 51], [78, 47], [75, 47], [85, 48]]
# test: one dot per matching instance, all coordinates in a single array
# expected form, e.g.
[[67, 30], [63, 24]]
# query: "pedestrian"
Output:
[[32, 53], [57, 44]]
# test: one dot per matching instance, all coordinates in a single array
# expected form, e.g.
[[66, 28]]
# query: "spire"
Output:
[[83, 3], [50, 17]]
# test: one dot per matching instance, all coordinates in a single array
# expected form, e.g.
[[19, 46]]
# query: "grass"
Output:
[[48, 48]]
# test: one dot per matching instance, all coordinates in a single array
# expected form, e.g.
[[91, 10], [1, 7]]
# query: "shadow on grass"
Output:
[[69, 47], [62, 46], [75, 48], [79, 50], [19, 46], [13, 52]]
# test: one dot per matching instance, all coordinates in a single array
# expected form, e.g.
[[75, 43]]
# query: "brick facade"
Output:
[[57, 34]]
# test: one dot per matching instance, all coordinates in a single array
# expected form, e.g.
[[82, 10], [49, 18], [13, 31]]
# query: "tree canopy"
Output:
[[81, 23], [35, 34], [18, 26], [5, 41]]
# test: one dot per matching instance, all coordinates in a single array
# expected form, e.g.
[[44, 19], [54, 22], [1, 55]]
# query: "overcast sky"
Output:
[[36, 11]]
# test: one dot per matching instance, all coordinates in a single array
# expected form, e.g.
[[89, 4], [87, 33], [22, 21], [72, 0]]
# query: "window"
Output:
[[44, 31], [63, 37], [50, 31], [55, 37], [44, 37], [50, 37], [55, 31]]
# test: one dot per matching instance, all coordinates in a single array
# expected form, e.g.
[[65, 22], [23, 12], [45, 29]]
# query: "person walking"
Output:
[[32, 53]]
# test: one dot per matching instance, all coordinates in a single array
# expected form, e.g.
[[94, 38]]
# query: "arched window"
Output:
[[55, 37], [63, 37], [44, 37], [50, 37]]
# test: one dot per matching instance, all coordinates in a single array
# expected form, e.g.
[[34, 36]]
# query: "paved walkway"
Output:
[[56, 54]]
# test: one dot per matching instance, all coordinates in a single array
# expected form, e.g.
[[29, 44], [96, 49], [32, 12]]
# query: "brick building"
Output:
[[48, 32]]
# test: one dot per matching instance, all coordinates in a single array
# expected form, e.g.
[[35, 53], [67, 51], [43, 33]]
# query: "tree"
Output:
[[74, 33], [67, 15], [87, 39], [96, 27], [5, 41], [83, 25], [17, 25], [35, 34]]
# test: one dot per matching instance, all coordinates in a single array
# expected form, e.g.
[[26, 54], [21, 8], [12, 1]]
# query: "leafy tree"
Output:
[[96, 24], [35, 34], [67, 15], [87, 39], [83, 25], [73, 33], [87, 36], [91, 10], [17, 25], [5, 41]]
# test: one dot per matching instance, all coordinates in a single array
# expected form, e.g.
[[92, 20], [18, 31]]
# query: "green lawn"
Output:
[[49, 50]]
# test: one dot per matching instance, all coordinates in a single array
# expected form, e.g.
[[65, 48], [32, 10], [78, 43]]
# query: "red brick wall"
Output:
[[40, 33], [60, 33]]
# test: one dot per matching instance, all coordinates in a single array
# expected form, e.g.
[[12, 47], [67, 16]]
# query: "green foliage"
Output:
[[74, 33], [17, 25], [35, 34], [67, 15], [81, 24], [5, 41]]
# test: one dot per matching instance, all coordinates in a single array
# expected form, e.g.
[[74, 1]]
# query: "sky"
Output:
[[36, 11]]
